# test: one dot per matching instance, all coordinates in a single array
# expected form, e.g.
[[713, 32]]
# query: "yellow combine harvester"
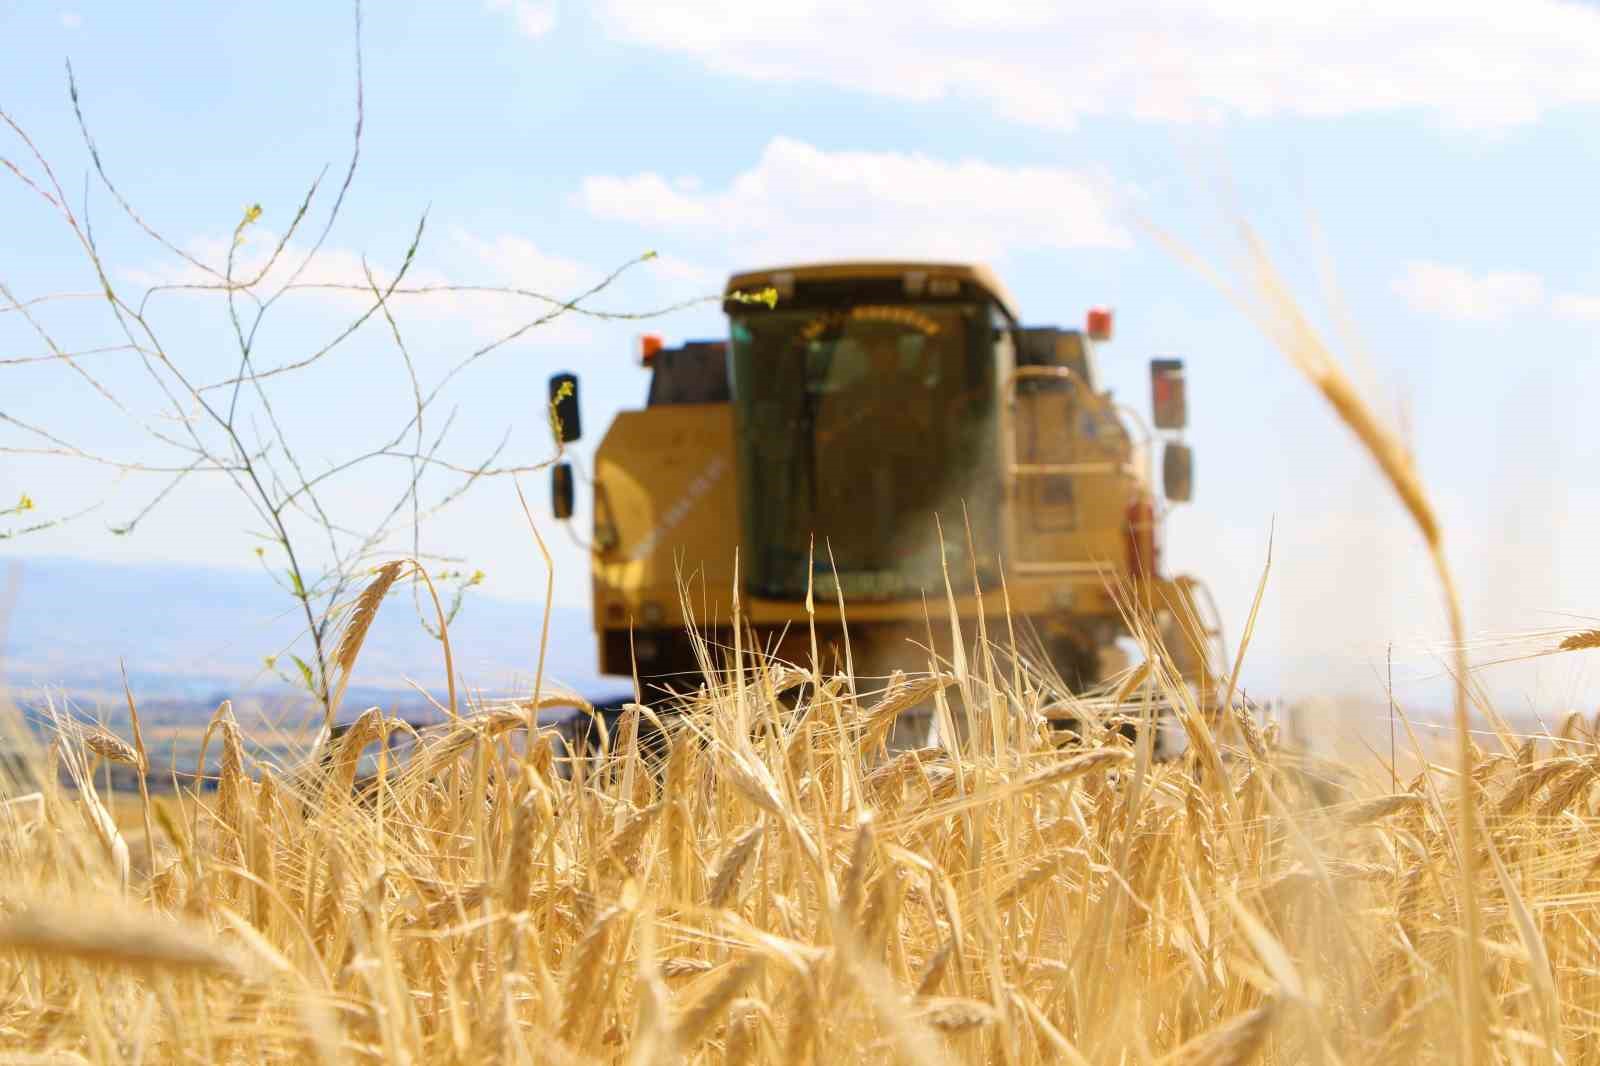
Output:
[[851, 405]]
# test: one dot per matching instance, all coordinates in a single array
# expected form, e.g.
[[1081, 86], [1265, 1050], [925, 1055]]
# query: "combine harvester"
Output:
[[851, 404]]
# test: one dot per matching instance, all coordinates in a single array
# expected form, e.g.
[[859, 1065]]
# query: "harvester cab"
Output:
[[868, 436]]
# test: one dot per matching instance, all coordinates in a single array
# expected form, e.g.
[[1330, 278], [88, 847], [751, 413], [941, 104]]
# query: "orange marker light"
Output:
[[649, 346], [1099, 323]]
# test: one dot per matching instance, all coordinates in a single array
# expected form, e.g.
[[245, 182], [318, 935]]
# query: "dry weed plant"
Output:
[[237, 411]]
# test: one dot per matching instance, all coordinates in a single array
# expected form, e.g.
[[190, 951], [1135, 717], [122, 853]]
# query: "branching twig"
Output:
[[311, 543]]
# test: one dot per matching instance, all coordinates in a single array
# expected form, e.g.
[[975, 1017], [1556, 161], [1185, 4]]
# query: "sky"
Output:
[[1422, 174]]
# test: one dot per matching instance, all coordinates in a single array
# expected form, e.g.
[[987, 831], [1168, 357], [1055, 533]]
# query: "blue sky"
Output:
[[1441, 160]]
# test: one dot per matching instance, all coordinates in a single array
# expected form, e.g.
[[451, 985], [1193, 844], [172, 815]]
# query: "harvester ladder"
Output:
[[1016, 472]]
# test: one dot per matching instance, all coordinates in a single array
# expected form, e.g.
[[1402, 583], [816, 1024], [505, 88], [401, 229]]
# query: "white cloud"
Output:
[[71, 20], [519, 261], [686, 277], [1455, 293], [646, 198], [1576, 306], [1052, 63], [799, 200], [534, 18]]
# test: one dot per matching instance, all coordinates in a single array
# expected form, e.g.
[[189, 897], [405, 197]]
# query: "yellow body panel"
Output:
[[667, 491]]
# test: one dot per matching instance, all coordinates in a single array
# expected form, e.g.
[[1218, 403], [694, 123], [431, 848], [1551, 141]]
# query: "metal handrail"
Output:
[[1069, 469], [1025, 567], [1102, 410]]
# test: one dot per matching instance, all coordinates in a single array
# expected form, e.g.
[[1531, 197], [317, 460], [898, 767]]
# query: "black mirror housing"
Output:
[[1168, 404], [561, 496], [1177, 472], [564, 407]]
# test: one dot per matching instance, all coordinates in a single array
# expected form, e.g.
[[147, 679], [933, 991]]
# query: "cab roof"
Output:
[[973, 273]]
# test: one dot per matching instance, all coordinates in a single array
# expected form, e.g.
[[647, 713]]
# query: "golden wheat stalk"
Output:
[[353, 631], [729, 868], [125, 937], [113, 748], [1581, 641]]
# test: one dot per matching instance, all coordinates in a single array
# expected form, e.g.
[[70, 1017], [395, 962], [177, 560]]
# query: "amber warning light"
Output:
[[1099, 323], [649, 348]]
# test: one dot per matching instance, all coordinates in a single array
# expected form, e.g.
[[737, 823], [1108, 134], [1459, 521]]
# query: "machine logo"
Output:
[[673, 516]]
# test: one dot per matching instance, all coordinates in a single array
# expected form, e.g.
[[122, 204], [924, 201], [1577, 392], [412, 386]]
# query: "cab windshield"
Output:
[[860, 424]]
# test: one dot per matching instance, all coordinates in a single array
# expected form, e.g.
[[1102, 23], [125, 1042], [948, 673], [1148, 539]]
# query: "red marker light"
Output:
[[1099, 323], [649, 346]]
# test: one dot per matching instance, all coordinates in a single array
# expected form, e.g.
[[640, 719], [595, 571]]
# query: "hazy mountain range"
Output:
[[192, 636], [188, 633]]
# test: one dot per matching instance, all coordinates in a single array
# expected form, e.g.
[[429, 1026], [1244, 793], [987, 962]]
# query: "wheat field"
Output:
[[776, 887]]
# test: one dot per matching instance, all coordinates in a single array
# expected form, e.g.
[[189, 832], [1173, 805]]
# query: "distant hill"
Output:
[[192, 633]]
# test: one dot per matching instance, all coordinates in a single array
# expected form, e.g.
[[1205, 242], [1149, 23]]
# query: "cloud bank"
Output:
[[1052, 64], [801, 201]]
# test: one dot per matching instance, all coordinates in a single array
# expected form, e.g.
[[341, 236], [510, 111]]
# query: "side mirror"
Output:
[[1167, 401], [564, 407], [561, 490], [1177, 472]]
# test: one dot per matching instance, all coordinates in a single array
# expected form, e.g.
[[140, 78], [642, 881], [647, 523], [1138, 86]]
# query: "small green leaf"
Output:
[[305, 673], [295, 584]]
